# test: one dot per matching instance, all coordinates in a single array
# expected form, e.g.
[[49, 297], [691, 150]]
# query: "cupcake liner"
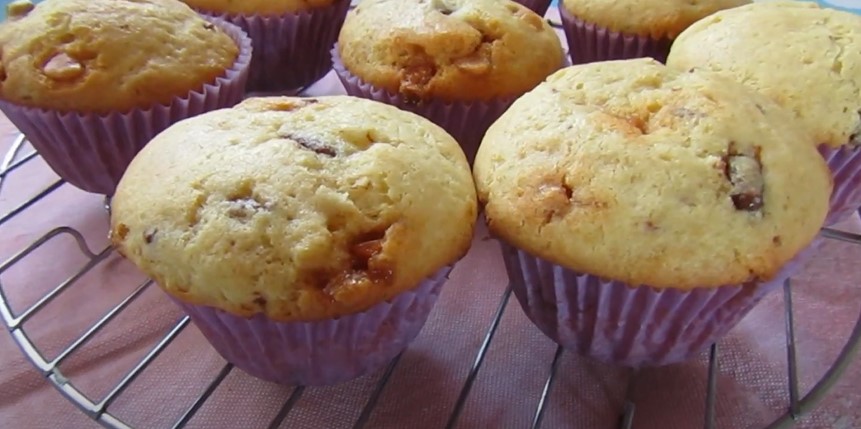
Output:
[[466, 121], [634, 326], [845, 165], [92, 151], [323, 352], [589, 43], [538, 6], [291, 50]]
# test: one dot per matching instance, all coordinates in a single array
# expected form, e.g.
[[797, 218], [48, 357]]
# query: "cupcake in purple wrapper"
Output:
[[291, 38], [307, 238], [91, 89], [459, 63], [643, 211], [807, 59], [602, 30]]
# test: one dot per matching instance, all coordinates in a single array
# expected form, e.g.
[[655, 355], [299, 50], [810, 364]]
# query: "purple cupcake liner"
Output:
[[538, 6], [291, 50], [634, 326], [324, 352], [466, 121], [588, 43], [92, 151], [845, 165]]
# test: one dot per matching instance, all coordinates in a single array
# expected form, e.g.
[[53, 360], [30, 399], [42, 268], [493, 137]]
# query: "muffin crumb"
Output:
[[149, 235], [855, 137], [245, 208]]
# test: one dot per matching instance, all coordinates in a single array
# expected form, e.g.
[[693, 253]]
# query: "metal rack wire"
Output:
[[99, 409]]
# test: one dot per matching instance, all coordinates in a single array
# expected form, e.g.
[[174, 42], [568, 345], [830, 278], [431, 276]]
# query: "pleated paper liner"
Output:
[[466, 121], [588, 42], [323, 352], [845, 165], [629, 325], [291, 50]]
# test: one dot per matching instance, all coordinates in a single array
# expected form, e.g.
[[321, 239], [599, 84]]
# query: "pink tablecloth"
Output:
[[424, 387]]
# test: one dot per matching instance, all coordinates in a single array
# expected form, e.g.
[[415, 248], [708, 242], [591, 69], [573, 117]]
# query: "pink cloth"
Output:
[[425, 386]]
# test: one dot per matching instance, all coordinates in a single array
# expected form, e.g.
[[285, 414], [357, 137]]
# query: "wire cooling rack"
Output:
[[99, 410], [20, 154]]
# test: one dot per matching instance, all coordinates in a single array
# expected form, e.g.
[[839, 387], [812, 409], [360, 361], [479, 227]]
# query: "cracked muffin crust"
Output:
[[805, 57], [62, 54], [300, 209], [452, 50], [257, 7], [635, 172], [652, 18]]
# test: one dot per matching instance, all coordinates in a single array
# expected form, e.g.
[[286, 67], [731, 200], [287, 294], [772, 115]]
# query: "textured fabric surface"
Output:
[[425, 384]]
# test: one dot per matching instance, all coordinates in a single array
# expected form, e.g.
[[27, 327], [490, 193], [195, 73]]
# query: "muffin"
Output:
[[538, 6], [90, 82], [459, 63], [804, 57], [291, 38], [644, 211], [601, 30], [308, 239]]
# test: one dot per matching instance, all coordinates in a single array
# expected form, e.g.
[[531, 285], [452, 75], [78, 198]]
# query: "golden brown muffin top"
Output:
[[108, 55], [449, 49], [805, 57], [652, 18], [257, 7], [636, 172], [300, 209]]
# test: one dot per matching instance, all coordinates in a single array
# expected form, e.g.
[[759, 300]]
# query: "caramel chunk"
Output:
[[745, 174], [477, 63], [19, 8], [120, 232], [415, 78], [62, 67], [314, 145]]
